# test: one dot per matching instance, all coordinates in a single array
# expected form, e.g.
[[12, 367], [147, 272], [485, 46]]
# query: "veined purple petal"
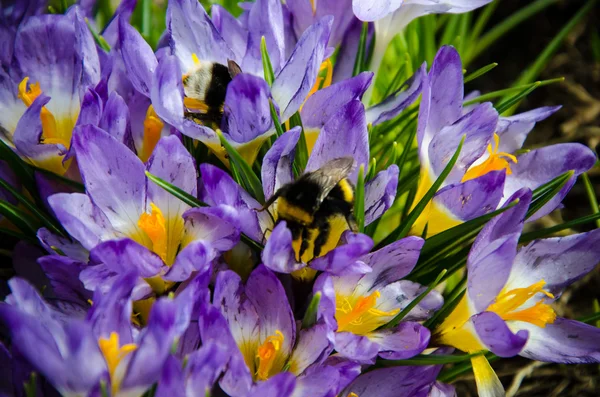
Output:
[[391, 106], [559, 261], [443, 92], [81, 218], [380, 193], [564, 341], [477, 127], [404, 341], [113, 175], [231, 30], [91, 108], [265, 18], [346, 259], [303, 16], [267, 295], [111, 30], [318, 381], [326, 310], [326, 102], [368, 10], [345, 134], [344, 62], [280, 385], [205, 365], [514, 129], [473, 198], [276, 169], [138, 57], [278, 254], [172, 380], [399, 294], [491, 257], [246, 110], [392, 382], [115, 120], [299, 74], [356, 347], [125, 254], [63, 274], [496, 336], [86, 52], [192, 32], [313, 347]]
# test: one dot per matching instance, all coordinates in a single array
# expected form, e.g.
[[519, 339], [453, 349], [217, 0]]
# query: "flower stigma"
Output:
[[266, 354], [154, 226], [113, 354], [495, 162], [152, 130], [360, 316]]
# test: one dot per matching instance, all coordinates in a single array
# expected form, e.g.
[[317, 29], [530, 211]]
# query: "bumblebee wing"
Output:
[[234, 68], [330, 175]]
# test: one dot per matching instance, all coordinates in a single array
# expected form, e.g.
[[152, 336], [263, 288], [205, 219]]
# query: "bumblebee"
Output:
[[317, 208], [205, 89]]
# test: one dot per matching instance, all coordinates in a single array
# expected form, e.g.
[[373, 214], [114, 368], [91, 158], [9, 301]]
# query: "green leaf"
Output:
[[523, 13], [247, 178], [536, 234], [506, 91], [266, 61], [427, 359], [549, 191], [513, 100], [459, 369], [480, 72], [278, 129], [449, 305], [359, 199], [481, 22], [61, 179], [21, 169], [405, 226], [360, 54], [146, 18], [301, 148], [30, 386], [310, 317], [19, 218], [591, 195], [591, 318], [99, 39], [396, 320], [46, 220]]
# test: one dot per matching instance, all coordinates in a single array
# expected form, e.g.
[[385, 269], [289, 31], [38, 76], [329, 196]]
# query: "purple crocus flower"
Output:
[[126, 220], [76, 354], [507, 308], [54, 61], [357, 306], [486, 173]]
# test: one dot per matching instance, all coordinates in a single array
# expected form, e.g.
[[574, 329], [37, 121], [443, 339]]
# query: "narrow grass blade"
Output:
[[310, 317], [301, 148], [526, 237], [589, 188], [19, 218], [427, 359], [558, 184], [266, 61], [509, 91], [359, 199], [97, 38], [480, 72], [359, 61], [515, 99]]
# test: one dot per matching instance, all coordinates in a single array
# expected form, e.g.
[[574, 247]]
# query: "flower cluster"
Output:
[[212, 216]]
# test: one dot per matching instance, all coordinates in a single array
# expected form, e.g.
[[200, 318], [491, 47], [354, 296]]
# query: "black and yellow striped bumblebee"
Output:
[[205, 89], [317, 208]]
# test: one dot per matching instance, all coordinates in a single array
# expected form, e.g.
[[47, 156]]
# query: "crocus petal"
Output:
[[267, 295], [391, 106], [312, 347], [493, 252], [477, 127], [399, 294], [205, 365], [368, 10], [404, 341], [172, 380], [303, 16], [326, 310], [63, 274], [280, 385], [138, 57], [326, 102], [345, 134], [265, 18], [127, 254], [231, 30], [247, 109], [344, 62], [473, 198], [542, 165], [113, 175], [192, 32], [28, 139], [167, 99], [488, 384], [318, 381], [356, 347], [91, 108], [514, 129], [81, 218], [496, 336], [564, 341], [278, 254], [111, 30], [276, 169], [392, 382], [443, 92], [294, 82], [380, 193], [558, 261], [115, 120], [345, 259], [71, 249]]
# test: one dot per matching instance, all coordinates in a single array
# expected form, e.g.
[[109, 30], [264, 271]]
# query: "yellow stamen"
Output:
[[323, 82], [266, 354], [507, 302], [352, 317], [313, 5], [352, 395], [195, 59], [495, 162], [50, 133], [152, 129], [113, 354], [195, 104], [154, 226]]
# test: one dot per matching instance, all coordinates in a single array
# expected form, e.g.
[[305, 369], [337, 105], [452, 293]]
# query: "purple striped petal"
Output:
[[115, 120], [404, 341], [138, 57], [303, 16], [356, 347], [496, 336], [345, 259], [232, 31], [276, 169], [513, 130], [312, 347], [280, 385], [380, 193], [278, 254], [265, 18]]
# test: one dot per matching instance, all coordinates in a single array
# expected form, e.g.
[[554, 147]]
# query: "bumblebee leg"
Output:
[[352, 222], [305, 242], [323, 228]]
